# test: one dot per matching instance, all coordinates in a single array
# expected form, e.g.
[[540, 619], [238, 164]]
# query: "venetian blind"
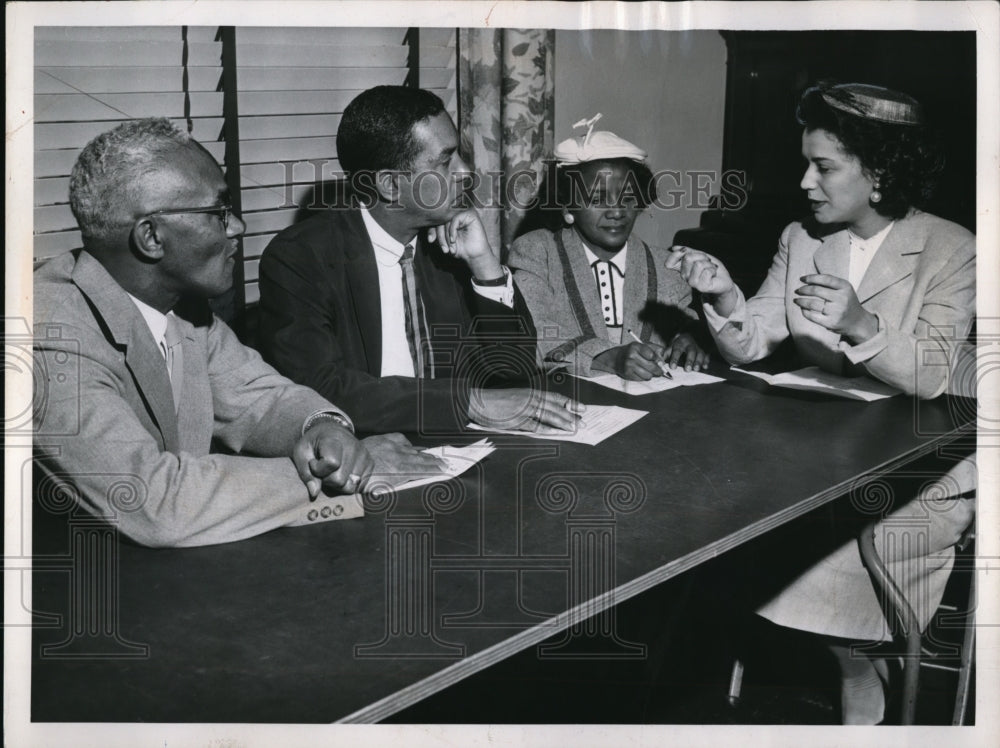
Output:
[[293, 85], [89, 79]]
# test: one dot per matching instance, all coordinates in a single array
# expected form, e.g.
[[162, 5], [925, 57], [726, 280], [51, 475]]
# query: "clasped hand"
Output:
[[831, 302], [328, 458]]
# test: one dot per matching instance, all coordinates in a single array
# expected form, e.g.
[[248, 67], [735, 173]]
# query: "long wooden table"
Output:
[[353, 621]]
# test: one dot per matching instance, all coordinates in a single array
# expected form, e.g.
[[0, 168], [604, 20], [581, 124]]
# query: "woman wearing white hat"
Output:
[[601, 298]]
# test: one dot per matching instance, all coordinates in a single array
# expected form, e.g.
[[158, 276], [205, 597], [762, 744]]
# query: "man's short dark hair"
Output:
[[376, 130]]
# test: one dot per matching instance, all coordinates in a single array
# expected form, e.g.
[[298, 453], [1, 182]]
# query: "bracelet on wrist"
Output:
[[339, 419]]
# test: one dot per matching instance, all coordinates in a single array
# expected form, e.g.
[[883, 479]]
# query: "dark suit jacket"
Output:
[[320, 325], [107, 433]]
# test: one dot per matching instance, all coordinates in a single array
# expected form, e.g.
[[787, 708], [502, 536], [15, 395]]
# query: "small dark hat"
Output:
[[874, 102]]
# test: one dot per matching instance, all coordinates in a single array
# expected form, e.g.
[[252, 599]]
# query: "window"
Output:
[[266, 101], [87, 80]]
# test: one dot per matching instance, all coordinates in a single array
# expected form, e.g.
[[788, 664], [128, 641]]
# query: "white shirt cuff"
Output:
[[738, 316], [870, 348], [503, 294]]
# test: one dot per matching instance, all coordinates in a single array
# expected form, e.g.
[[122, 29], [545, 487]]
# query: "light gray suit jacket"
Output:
[[106, 428], [552, 272], [921, 285]]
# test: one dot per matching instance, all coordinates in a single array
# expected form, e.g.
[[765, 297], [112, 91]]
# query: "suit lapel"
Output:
[[833, 255], [196, 416], [895, 260], [636, 290], [128, 329], [363, 287], [583, 291]]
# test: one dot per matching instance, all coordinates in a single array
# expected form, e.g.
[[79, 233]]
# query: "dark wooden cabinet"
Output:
[[767, 72]]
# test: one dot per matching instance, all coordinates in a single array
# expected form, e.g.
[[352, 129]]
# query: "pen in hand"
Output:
[[663, 366]]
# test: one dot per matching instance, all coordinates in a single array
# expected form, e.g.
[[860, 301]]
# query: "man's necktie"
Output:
[[416, 331], [175, 358]]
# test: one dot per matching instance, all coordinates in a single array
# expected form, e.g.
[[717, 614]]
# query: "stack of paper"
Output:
[[814, 379], [598, 422], [681, 378]]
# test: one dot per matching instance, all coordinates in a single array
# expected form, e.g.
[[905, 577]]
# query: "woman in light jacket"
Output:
[[867, 285]]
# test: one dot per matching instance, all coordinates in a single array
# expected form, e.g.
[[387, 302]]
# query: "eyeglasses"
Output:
[[223, 212]]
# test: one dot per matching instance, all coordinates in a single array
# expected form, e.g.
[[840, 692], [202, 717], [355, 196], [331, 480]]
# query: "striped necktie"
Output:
[[416, 323], [175, 357]]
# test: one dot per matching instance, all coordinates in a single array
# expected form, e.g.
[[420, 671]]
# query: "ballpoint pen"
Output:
[[663, 366]]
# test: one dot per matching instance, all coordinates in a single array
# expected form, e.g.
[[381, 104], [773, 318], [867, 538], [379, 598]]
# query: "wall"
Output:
[[662, 90]]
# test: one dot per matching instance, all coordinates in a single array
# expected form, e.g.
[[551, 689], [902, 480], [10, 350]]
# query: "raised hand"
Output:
[[465, 237], [706, 274], [831, 302]]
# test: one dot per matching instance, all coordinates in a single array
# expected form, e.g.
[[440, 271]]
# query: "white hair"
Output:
[[107, 173]]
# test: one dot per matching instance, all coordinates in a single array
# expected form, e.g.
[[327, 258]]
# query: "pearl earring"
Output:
[[568, 218], [876, 196]]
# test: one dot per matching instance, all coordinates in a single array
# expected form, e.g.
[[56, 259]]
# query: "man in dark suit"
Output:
[[396, 306], [154, 416]]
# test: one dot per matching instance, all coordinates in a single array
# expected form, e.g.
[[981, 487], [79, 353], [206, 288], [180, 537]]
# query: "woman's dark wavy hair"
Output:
[[906, 159], [562, 186]]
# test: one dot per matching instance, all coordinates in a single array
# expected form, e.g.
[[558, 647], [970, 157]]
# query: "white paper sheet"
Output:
[[598, 423], [814, 379], [457, 460], [681, 378]]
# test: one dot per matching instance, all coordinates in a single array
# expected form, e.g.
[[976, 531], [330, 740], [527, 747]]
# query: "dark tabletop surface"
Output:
[[301, 624]]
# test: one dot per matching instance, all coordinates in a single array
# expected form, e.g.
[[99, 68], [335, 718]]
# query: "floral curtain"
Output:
[[506, 116]]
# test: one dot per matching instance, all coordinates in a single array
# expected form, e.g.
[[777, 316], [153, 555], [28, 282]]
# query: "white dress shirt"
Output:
[[396, 359], [610, 278], [862, 253], [156, 321]]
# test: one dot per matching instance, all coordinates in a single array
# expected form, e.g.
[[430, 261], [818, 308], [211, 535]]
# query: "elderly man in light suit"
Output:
[[155, 416]]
